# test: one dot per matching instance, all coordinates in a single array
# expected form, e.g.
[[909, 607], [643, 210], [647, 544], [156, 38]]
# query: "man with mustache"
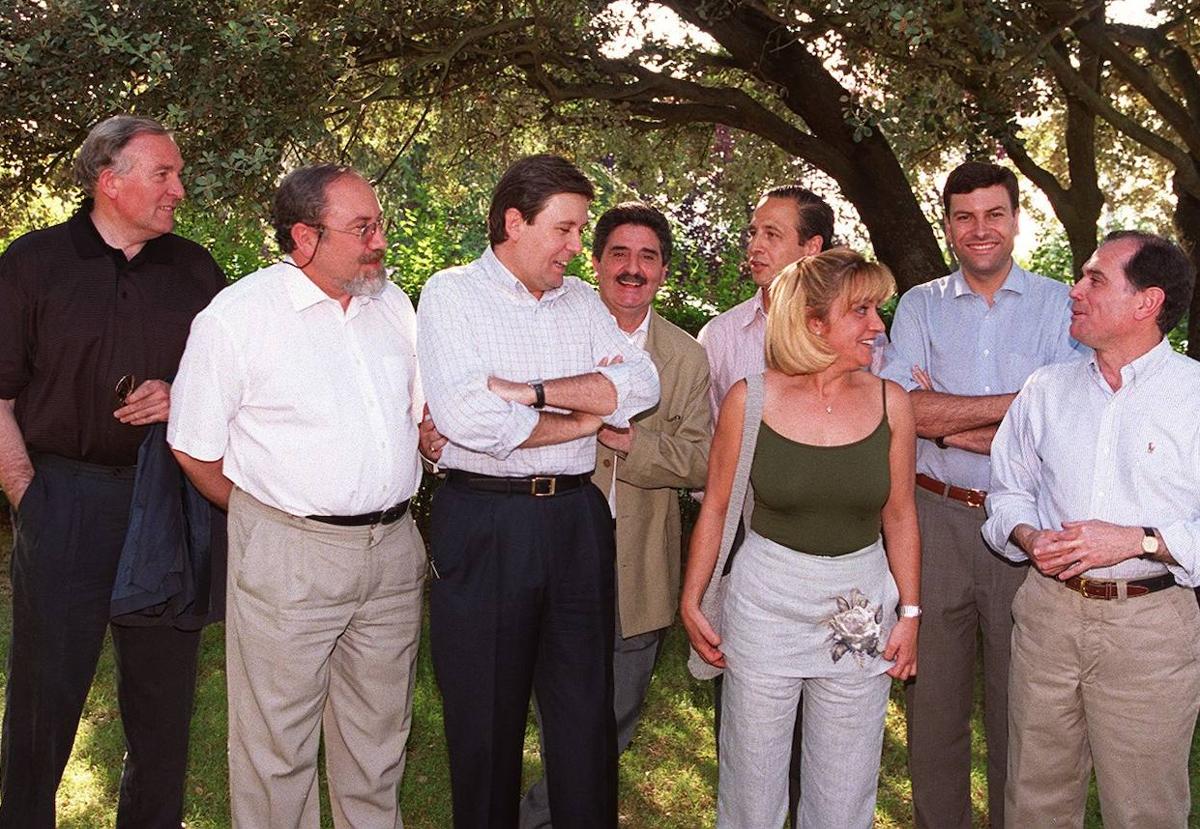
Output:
[[523, 366], [1096, 481], [963, 345], [639, 468], [788, 223], [94, 314], [296, 406]]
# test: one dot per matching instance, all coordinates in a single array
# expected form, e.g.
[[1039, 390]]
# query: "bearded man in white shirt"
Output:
[[1096, 480], [522, 366], [296, 407]]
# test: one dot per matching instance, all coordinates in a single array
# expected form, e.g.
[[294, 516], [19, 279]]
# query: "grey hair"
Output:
[[102, 148], [300, 199]]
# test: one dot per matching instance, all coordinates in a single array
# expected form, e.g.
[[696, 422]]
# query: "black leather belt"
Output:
[[538, 486], [387, 516]]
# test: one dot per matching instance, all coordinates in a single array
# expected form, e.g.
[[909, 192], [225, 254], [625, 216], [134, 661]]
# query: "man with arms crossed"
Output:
[[296, 406], [964, 344], [94, 314], [639, 468], [1096, 479], [522, 366], [789, 222]]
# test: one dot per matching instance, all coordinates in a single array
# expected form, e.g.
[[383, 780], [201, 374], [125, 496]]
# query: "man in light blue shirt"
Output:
[[964, 344], [1096, 479]]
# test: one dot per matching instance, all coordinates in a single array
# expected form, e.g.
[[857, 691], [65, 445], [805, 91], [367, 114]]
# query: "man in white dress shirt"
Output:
[[295, 406], [1096, 480], [522, 366], [789, 222]]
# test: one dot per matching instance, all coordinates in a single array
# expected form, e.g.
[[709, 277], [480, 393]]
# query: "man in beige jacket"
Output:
[[640, 468]]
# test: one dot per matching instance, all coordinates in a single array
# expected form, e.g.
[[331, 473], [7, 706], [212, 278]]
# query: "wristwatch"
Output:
[[539, 392], [1150, 543], [909, 611]]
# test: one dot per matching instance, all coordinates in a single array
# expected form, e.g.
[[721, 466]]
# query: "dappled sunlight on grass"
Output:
[[667, 778]]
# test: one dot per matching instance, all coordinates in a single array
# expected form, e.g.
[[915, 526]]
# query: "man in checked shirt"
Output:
[[522, 366]]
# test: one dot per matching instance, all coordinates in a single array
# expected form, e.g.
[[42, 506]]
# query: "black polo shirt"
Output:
[[76, 316]]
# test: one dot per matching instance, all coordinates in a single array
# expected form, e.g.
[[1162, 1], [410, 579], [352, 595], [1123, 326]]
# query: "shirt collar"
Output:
[[304, 293], [1017, 281], [639, 334], [89, 244], [755, 308], [506, 281], [1143, 366]]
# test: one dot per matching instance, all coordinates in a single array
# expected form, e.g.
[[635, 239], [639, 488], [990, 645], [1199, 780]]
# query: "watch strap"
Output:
[[539, 392]]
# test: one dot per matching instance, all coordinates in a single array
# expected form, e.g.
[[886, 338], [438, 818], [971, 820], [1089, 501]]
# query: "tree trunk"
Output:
[[1187, 228], [866, 169]]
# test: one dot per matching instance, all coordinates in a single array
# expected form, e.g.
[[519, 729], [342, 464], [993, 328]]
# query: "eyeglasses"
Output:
[[124, 387], [363, 232]]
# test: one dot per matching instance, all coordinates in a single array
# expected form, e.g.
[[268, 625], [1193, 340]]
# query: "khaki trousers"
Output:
[[321, 632], [1110, 683], [966, 595]]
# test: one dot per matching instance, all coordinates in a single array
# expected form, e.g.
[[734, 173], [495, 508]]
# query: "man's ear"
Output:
[[305, 238], [514, 223], [1151, 303], [811, 246], [108, 183]]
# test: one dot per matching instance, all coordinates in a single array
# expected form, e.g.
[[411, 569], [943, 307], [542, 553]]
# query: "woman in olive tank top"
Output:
[[816, 601]]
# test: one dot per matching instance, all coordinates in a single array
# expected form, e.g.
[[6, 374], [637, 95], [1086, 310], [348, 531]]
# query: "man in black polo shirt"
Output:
[[94, 314]]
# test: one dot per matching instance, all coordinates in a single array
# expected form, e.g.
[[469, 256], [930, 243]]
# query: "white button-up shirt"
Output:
[[313, 408], [1072, 449], [479, 320], [735, 344]]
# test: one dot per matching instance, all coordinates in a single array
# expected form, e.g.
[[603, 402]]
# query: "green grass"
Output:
[[668, 777]]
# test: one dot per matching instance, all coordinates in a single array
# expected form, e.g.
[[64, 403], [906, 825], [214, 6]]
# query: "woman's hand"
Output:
[[902, 649], [701, 634]]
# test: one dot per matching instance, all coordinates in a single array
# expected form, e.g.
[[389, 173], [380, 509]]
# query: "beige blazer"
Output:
[[669, 452]]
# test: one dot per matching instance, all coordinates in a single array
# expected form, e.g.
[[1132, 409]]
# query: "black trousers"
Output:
[[68, 535], [525, 600]]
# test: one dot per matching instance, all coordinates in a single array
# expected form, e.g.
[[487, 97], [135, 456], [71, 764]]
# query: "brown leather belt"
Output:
[[1095, 589], [970, 497]]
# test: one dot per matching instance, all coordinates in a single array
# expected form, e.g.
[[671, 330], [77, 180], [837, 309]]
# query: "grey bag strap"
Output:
[[739, 496]]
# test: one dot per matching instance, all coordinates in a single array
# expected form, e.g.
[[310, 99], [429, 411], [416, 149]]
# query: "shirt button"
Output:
[[987, 388], [986, 352]]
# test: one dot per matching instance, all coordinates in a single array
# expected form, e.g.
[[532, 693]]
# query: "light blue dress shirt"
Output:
[[971, 348]]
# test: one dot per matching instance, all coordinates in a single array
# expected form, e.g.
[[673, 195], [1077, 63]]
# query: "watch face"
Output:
[[1150, 544]]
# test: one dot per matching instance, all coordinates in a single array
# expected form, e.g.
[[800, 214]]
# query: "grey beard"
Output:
[[371, 284]]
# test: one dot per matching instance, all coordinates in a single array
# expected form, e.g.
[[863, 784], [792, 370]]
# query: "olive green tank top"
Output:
[[822, 500]]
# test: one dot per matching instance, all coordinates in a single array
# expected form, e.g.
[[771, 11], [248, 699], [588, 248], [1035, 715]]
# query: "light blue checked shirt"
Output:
[[971, 348]]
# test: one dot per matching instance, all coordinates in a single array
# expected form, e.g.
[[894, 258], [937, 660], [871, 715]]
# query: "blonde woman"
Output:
[[817, 601]]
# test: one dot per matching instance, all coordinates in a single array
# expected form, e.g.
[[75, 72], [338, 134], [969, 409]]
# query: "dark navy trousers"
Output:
[[68, 535], [525, 600]]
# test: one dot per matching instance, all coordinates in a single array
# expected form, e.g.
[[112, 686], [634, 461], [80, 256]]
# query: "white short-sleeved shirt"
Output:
[[314, 409]]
